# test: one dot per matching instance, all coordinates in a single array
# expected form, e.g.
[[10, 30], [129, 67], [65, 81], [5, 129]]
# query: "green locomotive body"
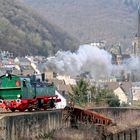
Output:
[[20, 92], [8, 88]]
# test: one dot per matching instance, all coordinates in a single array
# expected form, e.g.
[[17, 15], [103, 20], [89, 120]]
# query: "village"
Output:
[[125, 85]]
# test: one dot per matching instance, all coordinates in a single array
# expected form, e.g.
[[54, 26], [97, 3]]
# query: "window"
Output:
[[24, 83]]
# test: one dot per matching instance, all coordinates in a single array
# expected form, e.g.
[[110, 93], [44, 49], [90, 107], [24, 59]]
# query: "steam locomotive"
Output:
[[26, 93]]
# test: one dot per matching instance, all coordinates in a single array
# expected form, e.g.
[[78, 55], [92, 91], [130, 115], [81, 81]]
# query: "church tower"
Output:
[[136, 41]]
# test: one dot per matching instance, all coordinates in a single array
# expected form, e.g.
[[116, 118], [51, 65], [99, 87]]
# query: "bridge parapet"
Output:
[[125, 115]]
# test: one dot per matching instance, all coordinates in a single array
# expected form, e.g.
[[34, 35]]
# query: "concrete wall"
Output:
[[30, 126], [130, 134], [120, 115], [127, 123]]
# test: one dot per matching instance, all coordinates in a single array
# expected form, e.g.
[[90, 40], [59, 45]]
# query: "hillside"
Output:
[[92, 20], [24, 32]]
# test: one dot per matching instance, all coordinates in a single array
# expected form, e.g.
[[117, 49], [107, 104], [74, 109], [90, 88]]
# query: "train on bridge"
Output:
[[18, 92], [26, 93]]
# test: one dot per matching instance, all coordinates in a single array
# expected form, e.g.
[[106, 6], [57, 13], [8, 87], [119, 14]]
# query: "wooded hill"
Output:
[[24, 32], [92, 20]]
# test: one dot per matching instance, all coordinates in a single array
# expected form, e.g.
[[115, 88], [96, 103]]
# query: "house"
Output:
[[68, 80], [24, 65], [50, 75], [120, 93], [61, 86], [22, 61], [136, 91], [122, 90]]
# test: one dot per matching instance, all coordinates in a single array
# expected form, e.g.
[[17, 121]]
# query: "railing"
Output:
[[80, 115]]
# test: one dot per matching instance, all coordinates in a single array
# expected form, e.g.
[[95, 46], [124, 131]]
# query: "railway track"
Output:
[[9, 113], [72, 114]]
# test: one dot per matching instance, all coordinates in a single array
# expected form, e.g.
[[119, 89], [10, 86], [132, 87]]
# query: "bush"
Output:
[[113, 100]]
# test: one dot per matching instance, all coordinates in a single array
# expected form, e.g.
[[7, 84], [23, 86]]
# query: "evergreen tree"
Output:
[[83, 93]]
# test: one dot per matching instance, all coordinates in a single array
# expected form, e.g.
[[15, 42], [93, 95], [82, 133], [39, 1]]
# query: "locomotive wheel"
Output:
[[21, 110], [29, 109], [13, 109]]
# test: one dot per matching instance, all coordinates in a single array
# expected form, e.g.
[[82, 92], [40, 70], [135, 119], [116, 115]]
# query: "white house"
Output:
[[121, 95], [122, 90]]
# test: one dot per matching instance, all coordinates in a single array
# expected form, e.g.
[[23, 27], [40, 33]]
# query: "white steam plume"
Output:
[[86, 59], [131, 65], [97, 62]]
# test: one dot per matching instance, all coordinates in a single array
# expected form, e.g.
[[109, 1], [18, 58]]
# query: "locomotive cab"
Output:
[[26, 88]]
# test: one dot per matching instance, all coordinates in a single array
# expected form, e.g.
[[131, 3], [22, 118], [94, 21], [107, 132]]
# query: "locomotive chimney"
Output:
[[43, 76]]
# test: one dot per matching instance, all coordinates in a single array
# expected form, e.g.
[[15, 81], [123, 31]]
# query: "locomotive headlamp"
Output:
[[1, 101], [18, 95]]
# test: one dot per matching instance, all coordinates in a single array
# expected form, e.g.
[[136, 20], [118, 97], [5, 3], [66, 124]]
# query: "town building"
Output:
[[122, 90], [99, 44]]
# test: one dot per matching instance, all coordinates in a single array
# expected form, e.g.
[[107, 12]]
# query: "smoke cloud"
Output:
[[86, 59], [131, 65], [97, 63], [92, 60]]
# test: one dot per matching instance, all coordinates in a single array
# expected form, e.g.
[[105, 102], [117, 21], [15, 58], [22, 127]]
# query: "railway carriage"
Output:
[[22, 93]]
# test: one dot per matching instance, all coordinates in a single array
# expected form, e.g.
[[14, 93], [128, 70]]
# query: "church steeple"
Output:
[[138, 34], [136, 41], [139, 30]]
